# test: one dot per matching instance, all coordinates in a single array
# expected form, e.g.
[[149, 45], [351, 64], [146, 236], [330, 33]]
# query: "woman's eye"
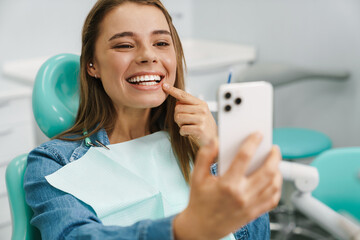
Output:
[[124, 46], [162, 44]]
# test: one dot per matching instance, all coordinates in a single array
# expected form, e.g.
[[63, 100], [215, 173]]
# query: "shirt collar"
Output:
[[101, 136]]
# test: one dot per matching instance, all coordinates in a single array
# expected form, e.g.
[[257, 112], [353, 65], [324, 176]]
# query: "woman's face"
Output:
[[134, 55]]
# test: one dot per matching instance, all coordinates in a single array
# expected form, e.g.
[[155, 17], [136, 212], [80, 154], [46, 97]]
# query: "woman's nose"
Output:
[[146, 55]]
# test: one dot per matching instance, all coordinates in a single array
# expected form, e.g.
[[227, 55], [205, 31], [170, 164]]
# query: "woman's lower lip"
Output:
[[147, 87]]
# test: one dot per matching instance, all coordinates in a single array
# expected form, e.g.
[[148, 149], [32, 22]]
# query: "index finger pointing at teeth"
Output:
[[179, 94]]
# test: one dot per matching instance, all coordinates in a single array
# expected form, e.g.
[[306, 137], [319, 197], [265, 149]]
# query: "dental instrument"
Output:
[[101, 144], [90, 144], [230, 76]]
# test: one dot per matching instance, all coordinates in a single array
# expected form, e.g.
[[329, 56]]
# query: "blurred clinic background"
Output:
[[314, 37]]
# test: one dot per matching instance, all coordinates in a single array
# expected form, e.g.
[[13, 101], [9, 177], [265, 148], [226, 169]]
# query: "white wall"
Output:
[[182, 15], [37, 28], [40, 27], [309, 33]]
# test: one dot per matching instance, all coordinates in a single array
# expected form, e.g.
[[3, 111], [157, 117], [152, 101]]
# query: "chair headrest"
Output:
[[55, 98]]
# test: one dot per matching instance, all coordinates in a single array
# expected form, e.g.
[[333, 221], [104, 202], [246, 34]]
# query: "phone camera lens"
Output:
[[227, 108], [227, 95], [237, 101]]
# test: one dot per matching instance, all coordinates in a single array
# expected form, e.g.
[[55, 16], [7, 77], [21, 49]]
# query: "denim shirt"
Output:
[[59, 215]]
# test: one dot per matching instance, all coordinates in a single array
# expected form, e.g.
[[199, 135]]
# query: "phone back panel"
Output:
[[244, 108]]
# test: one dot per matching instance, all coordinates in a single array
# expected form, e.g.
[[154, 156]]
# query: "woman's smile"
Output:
[[146, 80]]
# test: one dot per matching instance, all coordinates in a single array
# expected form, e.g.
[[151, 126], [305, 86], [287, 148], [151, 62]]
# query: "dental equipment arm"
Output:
[[335, 223], [306, 179]]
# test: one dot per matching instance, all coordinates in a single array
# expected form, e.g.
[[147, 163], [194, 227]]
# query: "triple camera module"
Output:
[[228, 96]]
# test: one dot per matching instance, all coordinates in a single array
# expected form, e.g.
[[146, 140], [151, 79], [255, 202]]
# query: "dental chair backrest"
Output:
[[339, 186], [21, 213], [55, 103], [55, 98]]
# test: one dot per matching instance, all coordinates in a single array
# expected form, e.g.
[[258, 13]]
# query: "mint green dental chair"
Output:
[[339, 186], [297, 143], [55, 102], [55, 98], [21, 213], [334, 205], [338, 190]]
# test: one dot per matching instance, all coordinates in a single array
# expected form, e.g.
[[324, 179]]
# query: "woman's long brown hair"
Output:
[[96, 110]]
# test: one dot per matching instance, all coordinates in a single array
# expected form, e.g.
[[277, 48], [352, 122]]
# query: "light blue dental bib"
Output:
[[135, 180]]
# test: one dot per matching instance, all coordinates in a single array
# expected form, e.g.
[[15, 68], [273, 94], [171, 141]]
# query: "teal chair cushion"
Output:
[[339, 186], [55, 98], [297, 143], [55, 103], [21, 213]]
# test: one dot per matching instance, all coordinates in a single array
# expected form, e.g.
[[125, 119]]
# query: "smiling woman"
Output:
[[137, 49], [153, 136], [121, 43]]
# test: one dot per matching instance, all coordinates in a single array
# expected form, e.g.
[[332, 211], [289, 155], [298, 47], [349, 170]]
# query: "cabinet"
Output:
[[16, 137]]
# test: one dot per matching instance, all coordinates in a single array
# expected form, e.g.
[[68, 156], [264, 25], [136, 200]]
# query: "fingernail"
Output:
[[166, 86]]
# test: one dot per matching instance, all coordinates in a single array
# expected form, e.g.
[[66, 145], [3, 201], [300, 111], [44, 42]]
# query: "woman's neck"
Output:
[[130, 124]]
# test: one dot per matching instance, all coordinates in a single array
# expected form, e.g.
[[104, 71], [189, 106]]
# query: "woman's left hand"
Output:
[[193, 116]]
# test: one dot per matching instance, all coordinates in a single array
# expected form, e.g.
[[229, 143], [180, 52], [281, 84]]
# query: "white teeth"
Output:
[[144, 78], [147, 83]]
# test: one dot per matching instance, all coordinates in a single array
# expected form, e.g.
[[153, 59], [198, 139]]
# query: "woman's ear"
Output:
[[92, 71]]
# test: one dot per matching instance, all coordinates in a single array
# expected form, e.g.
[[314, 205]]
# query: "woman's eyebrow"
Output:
[[161, 32], [123, 34], [131, 34]]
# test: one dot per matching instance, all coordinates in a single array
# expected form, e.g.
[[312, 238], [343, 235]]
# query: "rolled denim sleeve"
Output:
[[59, 215], [259, 229]]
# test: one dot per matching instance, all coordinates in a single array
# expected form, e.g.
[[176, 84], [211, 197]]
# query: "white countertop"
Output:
[[200, 55], [203, 55]]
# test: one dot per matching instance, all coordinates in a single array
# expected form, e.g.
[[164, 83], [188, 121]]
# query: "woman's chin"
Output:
[[151, 103]]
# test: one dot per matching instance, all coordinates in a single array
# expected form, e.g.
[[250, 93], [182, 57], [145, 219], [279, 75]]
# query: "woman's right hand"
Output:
[[220, 205]]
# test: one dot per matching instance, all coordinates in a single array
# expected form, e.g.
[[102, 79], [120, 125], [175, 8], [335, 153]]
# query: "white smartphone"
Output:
[[244, 108]]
